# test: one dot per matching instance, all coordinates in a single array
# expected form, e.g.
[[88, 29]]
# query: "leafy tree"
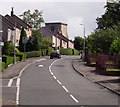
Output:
[[78, 43], [37, 40], [21, 45], [34, 19], [111, 16], [45, 42], [115, 46]]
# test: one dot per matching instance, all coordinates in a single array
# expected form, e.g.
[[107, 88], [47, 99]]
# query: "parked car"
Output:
[[55, 54]]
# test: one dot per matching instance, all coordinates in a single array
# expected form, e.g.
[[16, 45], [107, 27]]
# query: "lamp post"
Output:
[[83, 55], [1, 44]]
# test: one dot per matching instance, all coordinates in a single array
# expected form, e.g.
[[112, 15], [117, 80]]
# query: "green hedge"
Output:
[[69, 51], [2, 66], [33, 54], [9, 60], [75, 52], [20, 54], [49, 50]]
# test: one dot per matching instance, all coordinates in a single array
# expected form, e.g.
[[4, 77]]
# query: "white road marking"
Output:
[[59, 82], [52, 73], [40, 65], [18, 91], [74, 98], [10, 83], [65, 89], [18, 80], [54, 77]]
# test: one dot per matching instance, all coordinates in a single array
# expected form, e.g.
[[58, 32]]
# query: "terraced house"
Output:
[[11, 27], [58, 34]]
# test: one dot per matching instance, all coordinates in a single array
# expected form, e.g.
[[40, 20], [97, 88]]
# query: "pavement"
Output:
[[110, 82]]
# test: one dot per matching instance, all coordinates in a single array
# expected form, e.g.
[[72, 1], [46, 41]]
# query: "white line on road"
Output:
[[40, 65], [74, 98], [52, 73], [54, 77], [65, 89], [10, 83], [59, 82], [18, 91], [18, 80]]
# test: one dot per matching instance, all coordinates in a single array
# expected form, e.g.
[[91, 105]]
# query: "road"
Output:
[[55, 82]]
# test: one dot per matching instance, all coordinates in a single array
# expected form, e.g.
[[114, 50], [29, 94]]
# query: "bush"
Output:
[[21, 55], [9, 60], [66, 51], [33, 54], [75, 52], [2, 66], [49, 50]]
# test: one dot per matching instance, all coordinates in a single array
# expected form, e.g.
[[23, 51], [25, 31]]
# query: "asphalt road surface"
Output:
[[55, 82]]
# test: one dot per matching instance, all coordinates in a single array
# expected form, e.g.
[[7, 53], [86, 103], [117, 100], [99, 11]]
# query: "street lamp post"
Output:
[[83, 55]]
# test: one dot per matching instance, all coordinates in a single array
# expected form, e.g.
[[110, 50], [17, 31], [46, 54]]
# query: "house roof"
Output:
[[48, 33], [56, 23], [6, 22], [18, 21]]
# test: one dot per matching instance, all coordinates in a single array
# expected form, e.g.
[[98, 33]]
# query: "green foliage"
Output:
[[101, 40], [78, 43], [66, 51], [21, 45], [111, 16], [2, 66], [9, 60], [34, 19], [33, 54], [8, 48], [115, 46], [37, 40], [45, 42], [75, 52], [49, 50]]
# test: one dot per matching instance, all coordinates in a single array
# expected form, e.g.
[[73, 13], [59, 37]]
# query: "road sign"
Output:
[[24, 40]]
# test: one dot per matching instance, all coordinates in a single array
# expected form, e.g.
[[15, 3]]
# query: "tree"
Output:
[[46, 42], [115, 46], [21, 45], [111, 16], [78, 43], [37, 40], [34, 19]]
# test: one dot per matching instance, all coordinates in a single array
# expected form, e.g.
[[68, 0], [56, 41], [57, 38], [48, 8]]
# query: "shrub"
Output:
[[2, 66], [66, 51], [9, 60], [33, 54], [49, 50], [21, 55], [75, 52]]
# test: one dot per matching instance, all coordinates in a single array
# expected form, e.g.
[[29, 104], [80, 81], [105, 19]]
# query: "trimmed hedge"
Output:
[[49, 50], [75, 52], [2, 66], [69, 51], [33, 54], [9, 60], [20, 54]]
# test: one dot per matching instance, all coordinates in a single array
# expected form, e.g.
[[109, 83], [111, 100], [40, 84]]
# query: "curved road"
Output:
[[54, 82]]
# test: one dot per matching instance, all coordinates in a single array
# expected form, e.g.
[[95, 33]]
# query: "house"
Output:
[[58, 34], [12, 25]]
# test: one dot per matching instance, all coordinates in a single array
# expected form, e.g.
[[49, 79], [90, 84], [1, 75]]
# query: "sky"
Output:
[[72, 12]]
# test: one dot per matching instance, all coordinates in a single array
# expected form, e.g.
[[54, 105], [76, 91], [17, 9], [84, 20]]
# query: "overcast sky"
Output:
[[70, 12]]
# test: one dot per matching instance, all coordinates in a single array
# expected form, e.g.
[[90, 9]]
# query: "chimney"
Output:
[[12, 12]]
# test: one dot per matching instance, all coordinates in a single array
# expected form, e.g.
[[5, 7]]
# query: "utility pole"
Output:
[[83, 54]]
